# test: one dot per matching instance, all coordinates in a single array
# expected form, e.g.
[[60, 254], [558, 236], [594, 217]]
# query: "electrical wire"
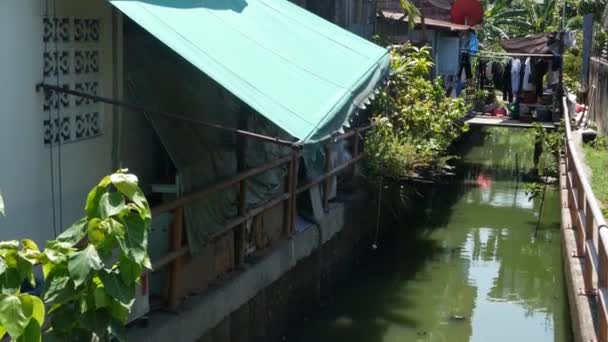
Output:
[[59, 127], [50, 118]]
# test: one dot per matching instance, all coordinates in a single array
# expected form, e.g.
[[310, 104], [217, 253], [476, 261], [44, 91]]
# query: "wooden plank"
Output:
[[483, 120], [219, 186], [177, 227], [590, 269], [327, 182], [240, 232]]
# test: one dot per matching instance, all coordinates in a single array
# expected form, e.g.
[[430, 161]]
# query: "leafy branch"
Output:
[[415, 120], [90, 271]]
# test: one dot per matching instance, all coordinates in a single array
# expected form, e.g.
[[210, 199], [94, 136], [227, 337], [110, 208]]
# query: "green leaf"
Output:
[[130, 271], [110, 204], [9, 245], [32, 332], [12, 316], [63, 320], [115, 287], [118, 331], [30, 244], [136, 238], [11, 257], [127, 185], [2, 331], [101, 297], [92, 206], [58, 288], [25, 268], [10, 281], [82, 263], [75, 233], [34, 307], [119, 311], [96, 321]]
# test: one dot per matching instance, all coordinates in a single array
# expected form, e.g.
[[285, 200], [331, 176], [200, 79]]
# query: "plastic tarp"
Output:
[[543, 43], [303, 73], [202, 155]]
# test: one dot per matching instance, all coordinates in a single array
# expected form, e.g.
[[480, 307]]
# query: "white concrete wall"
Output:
[[25, 160]]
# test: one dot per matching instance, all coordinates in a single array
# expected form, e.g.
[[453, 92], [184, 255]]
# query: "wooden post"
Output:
[[293, 191], [287, 210], [602, 267], [590, 229], [326, 183], [355, 152], [177, 227], [240, 232]]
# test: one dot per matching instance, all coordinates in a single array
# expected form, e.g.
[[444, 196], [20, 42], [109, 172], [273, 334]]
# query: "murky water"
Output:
[[474, 272]]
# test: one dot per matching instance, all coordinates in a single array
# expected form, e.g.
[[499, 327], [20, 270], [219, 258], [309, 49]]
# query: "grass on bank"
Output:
[[596, 156]]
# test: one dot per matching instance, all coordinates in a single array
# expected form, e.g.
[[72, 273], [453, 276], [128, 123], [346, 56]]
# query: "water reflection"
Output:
[[479, 275]]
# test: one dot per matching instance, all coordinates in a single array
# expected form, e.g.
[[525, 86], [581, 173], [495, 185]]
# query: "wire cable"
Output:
[[60, 123], [50, 116]]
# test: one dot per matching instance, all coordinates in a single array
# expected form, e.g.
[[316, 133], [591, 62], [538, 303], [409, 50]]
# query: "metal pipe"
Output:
[[166, 114]]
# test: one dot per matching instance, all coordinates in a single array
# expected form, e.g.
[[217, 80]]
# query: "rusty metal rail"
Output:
[[590, 230], [173, 258]]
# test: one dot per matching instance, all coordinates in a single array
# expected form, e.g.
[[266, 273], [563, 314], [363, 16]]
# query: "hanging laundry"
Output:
[[507, 90], [552, 76], [481, 73], [473, 43], [462, 81], [528, 83], [539, 69], [522, 72], [465, 65], [497, 74], [515, 69], [489, 70]]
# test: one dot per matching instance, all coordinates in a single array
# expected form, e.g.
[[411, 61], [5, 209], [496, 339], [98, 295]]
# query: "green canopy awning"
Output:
[[303, 73]]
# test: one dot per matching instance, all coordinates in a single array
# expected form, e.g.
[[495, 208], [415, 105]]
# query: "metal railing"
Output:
[[590, 231], [237, 224]]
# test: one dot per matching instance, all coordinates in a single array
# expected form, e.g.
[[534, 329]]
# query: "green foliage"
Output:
[[573, 64], [411, 11], [548, 141], [533, 190], [91, 270], [505, 19], [415, 121], [596, 157]]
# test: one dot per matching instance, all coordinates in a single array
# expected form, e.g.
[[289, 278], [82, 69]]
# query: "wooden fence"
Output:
[[597, 96], [237, 224], [590, 231]]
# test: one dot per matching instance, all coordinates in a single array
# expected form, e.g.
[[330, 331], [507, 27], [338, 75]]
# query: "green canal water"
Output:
[[473, 270]]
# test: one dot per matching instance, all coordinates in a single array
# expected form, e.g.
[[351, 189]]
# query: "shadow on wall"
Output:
[[232, 5]]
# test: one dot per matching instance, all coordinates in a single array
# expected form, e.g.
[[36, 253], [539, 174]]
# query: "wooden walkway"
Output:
[[486, 120]]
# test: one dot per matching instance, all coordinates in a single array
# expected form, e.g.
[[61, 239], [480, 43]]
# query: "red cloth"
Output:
[[580, 108], [471, 10], [500, 112]]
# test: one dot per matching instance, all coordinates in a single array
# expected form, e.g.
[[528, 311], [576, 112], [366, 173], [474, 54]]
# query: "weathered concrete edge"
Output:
[[200, 314], [581, 316]]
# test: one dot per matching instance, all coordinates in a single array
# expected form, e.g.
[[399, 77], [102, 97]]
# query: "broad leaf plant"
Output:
[[90, 272]]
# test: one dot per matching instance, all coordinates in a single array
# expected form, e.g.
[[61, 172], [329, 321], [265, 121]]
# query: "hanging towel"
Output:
[[528, 83], [515, 68], [473, 44]]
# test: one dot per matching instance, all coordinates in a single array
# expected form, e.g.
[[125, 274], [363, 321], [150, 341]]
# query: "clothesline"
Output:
[[509, 54]]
